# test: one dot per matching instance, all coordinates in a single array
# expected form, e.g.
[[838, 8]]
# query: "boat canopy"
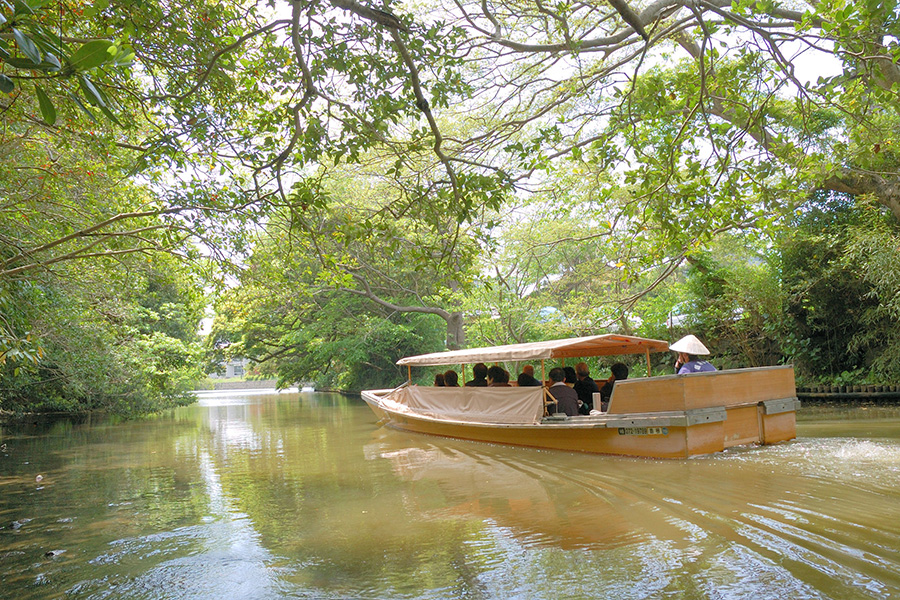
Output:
[[593, 345]]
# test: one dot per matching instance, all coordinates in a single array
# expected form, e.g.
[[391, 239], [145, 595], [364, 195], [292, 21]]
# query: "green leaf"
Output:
[[6, 84], [109, 115], [82, 106], [23, 63], [91, 55], [124, 57], [27, 46], [56, 65], [22, 8], [48, 111], [93, 95], [47, 41]]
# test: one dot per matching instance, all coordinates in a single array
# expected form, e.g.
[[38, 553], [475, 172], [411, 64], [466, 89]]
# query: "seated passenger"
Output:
[[566, 398], [619, 372], [451, 379], [526, 377], [585, 388], [497, 377], [439, 380], [479, 371], [526, 380], [688, 349], [571, 377]]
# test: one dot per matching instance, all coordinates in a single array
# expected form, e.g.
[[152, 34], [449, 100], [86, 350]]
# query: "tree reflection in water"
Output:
[[267, 496]]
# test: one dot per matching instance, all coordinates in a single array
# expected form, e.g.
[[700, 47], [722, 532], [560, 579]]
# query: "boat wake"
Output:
[[789, 520]]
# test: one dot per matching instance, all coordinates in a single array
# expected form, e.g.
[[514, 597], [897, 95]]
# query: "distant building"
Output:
[[235, 367]]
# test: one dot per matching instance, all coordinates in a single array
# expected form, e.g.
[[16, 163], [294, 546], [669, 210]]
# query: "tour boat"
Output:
[[669, 416]]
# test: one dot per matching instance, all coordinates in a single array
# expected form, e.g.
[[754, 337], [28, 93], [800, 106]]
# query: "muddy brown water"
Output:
[[261, 495]]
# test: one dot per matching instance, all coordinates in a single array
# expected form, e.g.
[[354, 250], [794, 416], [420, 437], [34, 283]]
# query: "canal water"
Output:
[[262, 495]]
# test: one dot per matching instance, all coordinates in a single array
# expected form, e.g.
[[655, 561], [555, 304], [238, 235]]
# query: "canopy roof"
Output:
[[594, 345]]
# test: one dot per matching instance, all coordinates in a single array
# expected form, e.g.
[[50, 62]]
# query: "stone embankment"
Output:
[[849, 392], [255, 384]]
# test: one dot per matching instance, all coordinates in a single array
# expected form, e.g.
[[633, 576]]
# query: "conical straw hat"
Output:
[[689, 344]]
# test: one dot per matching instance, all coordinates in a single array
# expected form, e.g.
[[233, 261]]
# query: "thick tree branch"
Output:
[[422, 104], [454, 320], [385, 19], [90, 230], [857, 182], [630, 17]]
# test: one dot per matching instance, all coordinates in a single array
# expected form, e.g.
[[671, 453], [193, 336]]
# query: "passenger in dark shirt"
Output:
[[525, 380], [619, 372], [526, 377], [479, 371], [585, 388], [451, 379], [497, 377], [566, 398]]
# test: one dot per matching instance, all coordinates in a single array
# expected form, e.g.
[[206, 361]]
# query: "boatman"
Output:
[[689, 348]]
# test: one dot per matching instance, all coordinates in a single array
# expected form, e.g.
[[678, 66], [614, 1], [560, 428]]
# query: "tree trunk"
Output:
[[456, 334], [857, 183]]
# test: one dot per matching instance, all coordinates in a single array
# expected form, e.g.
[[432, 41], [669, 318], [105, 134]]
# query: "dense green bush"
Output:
[[113, 341]]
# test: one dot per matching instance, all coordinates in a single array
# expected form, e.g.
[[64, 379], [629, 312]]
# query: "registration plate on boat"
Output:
[[643, 431]]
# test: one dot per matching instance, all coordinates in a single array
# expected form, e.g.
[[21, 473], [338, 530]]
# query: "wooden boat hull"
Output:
[[676, 417]]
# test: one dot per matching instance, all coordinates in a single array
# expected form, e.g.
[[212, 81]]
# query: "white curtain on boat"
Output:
[[473, 404]]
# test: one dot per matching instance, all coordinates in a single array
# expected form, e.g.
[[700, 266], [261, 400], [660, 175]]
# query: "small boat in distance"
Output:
[[670, 416]]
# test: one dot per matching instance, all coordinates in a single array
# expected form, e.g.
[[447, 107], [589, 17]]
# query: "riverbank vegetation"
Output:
[[346, 184]]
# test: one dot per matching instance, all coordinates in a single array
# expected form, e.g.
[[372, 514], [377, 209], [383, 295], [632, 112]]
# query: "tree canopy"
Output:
[[684, 103], [585, 149]]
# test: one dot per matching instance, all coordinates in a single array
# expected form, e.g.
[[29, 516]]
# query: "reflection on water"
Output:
[[286, 495]]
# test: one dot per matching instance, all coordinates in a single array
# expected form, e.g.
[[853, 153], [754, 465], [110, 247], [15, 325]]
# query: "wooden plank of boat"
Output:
[[673, 416]]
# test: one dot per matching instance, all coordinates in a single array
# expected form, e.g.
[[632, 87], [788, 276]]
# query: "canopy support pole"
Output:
[[543, 375], [409, 373], [648, 364]]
